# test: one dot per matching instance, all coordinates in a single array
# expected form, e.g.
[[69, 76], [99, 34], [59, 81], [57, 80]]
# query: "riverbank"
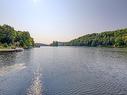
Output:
[[12, 50]]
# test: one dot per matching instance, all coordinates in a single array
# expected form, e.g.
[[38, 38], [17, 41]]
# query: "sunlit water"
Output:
[[64, 71]]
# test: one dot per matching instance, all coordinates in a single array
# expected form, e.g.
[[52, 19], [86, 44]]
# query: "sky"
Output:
[[63, 20]]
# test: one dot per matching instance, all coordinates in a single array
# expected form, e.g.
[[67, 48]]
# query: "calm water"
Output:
[[64, 71]]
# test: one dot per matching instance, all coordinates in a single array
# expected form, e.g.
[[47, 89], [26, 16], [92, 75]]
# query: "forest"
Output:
[[10, 38], [117, 38]]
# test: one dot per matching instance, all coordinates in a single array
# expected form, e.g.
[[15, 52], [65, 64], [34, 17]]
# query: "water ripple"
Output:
[[13, 68]]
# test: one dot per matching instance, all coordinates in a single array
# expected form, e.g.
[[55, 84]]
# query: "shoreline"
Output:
[[12, 50]]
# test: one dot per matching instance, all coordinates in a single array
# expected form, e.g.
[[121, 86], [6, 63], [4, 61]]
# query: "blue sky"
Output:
[[63, 20]]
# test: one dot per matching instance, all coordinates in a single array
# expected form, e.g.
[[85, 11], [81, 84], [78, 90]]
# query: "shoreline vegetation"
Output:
[[112, 39], [12, 40]]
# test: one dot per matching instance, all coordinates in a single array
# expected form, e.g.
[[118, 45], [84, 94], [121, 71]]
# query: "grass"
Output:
[[7, 47]]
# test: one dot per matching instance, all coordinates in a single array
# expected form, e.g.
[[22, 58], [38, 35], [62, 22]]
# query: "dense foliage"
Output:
[[116, 38], [54, 43], [9, 37]]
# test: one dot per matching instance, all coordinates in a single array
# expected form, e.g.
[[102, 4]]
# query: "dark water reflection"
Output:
[[7, 59], [64, 71]]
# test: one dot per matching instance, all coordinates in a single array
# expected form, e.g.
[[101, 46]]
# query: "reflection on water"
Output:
[[64, 71]]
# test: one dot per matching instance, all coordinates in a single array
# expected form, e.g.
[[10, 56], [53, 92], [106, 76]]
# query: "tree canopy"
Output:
[[10, 37], [117, 38]]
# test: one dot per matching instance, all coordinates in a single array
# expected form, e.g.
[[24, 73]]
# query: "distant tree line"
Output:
[[57, 43], [9, 37], [54, 43], [116, 38], [40, 44]]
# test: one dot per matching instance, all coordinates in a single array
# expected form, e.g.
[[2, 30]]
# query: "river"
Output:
[[64, 71]]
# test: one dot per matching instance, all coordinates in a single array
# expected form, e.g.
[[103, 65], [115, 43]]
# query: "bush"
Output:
[[5, 45]]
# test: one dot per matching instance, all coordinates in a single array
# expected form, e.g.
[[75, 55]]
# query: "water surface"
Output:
[[64, 71]]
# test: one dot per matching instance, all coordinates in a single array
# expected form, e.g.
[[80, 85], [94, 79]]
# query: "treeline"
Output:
[[116, 38], [11, 38], [57, 43], [40, 44]]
